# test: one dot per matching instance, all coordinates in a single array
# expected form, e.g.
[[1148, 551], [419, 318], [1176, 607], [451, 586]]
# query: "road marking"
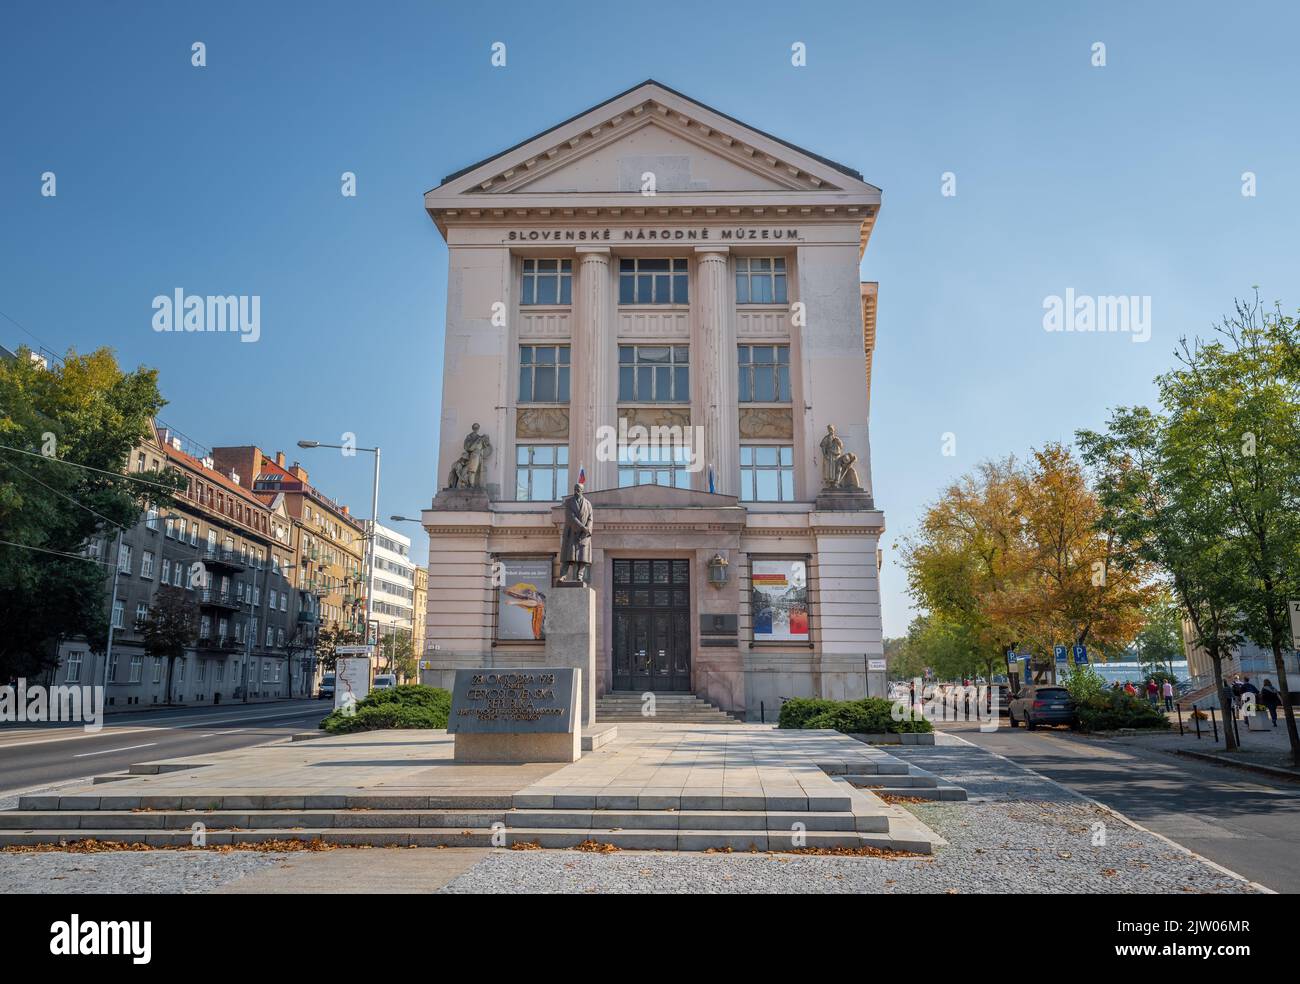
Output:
[[109, 751], [287, 716], [1120, 816]]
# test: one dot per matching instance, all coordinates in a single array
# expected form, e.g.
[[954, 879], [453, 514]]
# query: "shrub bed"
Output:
[[408, 706], [868, 716], [1110, 712]]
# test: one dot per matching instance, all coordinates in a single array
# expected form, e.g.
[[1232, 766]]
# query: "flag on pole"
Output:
[[582, 475], [712, 480]]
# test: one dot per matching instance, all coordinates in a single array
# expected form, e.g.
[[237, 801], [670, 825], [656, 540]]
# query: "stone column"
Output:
[[593, 397], [714, 355]]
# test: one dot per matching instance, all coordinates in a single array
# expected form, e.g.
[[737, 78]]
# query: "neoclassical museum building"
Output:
[[663, 304]]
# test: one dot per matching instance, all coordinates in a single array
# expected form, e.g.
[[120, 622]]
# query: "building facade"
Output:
[[665, 304], [392, 583], [229, 553]]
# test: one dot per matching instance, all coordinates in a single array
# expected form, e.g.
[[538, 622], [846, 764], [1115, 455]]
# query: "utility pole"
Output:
[[112, 607]]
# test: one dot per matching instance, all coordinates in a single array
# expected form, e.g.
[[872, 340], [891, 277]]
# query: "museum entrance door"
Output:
[[652, 625]]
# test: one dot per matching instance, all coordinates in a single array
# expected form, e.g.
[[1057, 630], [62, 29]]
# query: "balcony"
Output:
[[218, 599], [221, 557], [221, 644]]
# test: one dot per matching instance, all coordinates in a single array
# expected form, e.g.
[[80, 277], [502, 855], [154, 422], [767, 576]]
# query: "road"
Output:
[[1245, 822], [32, 756]]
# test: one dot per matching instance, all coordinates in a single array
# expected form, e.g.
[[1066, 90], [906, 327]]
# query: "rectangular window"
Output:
[[112, 669], [541, 472], [177, 571], [157, 669], [766, 473], [74, 667], [760, 280], [151, 518], [119, 613], [141, 614], [764, 373], [653, 465], [654, 374], [124, 558], [205, 627], [194, 534], [146, 564], [166, 576], [543, 374], [137, 664], [547, 282], [652, 281]]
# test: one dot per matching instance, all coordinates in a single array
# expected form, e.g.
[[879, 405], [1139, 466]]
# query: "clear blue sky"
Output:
[[1117, 180]]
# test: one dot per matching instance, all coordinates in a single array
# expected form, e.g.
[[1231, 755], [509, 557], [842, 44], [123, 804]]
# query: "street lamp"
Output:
[[374, 523]]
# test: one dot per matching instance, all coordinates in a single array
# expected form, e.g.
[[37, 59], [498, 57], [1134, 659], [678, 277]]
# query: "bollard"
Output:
[[1196, 711], [1215, 724], [1179, 709], [762, 714]]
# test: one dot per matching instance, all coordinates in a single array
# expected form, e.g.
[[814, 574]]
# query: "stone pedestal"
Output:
[[570, 629], [563, 747], [461, 500]]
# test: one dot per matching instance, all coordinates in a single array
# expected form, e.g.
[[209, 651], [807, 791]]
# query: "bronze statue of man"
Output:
[[575, 541]]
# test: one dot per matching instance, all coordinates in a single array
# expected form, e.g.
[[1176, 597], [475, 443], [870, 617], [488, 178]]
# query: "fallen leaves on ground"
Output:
[[596, 847]]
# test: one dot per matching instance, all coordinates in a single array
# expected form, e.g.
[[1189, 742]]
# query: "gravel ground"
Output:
[[127, 872], [1017, 834]]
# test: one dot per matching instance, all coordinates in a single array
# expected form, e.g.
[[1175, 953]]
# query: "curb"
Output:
[[1126, 820], [1267, 770]]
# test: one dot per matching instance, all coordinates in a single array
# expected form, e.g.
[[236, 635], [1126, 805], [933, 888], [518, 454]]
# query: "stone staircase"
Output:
[[669, 708], [848, 817]]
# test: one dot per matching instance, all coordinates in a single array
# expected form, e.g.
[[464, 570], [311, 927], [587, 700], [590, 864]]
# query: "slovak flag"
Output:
[[582, 475], [712, 481]]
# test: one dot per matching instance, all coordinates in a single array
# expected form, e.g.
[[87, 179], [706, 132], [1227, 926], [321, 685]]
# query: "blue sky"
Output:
[[1120, 180]]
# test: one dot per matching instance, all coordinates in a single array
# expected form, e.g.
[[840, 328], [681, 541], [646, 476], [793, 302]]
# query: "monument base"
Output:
[[537, 747], [569, 625], [844, 500]]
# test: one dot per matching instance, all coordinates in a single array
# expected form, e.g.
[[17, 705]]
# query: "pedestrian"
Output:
[[1270, 698], [1130, 689], [1153, 691], [1169, 695], [1249, 695], [1236, 695]]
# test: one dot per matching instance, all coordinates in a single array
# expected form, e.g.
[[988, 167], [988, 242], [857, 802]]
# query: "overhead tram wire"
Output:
[[101, 471]]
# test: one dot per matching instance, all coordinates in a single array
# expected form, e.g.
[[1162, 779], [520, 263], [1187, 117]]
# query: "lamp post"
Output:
[[374, 526]]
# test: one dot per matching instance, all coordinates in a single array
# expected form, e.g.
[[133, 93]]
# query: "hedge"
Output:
[[408, 706], [868, 716], [1114, 710]]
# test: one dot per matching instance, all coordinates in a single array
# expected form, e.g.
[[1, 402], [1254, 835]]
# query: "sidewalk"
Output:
[[1266, 751]]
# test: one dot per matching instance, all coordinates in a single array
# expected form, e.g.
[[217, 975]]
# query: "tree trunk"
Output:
[[170, 661], [1285, 688], [1229, 740]]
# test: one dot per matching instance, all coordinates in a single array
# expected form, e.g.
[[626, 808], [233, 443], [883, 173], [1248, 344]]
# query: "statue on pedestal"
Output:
[[839, 471], [575, 541], [467, 472]]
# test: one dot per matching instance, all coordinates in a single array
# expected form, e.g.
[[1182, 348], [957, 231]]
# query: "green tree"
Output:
[[1235, 404], [170, 627], [398, 654], [88, 412], [331, 637]]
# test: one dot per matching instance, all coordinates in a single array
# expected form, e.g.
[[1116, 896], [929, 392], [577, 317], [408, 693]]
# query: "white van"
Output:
[[384, 681]]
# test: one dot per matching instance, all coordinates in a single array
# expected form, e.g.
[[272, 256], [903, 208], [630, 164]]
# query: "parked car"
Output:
[[1002, 694], [1041, 704], [326, 691], [384, 681]]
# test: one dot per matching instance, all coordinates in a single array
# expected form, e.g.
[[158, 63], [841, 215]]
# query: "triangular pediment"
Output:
[[693, 152]]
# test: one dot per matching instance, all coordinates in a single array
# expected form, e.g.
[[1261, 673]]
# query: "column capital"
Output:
[[704, 252], [595, 252]]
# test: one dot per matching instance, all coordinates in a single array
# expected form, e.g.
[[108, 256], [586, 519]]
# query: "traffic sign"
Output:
[[1059, 652], [1080, 655], [353, 650]]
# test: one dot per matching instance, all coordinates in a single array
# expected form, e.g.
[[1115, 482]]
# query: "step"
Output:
[[660, 840], [282, 820], [695, 820], [242, 802]]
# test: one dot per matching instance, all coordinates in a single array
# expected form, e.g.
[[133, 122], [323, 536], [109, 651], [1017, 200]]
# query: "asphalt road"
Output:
[[1245, 822], [34, 756]]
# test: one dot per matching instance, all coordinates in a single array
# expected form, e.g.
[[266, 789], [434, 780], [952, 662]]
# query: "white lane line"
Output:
[[181, 726], [1121, 817], [107, 751]]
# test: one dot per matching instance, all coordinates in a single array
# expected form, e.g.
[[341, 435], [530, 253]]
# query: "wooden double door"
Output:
[[652, 625]]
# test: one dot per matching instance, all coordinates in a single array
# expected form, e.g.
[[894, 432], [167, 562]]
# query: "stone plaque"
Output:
[[766, 422], [546, 423], [524, 701]]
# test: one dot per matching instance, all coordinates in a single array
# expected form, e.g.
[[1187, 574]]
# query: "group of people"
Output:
[[1154, 691], [1246, 695]]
